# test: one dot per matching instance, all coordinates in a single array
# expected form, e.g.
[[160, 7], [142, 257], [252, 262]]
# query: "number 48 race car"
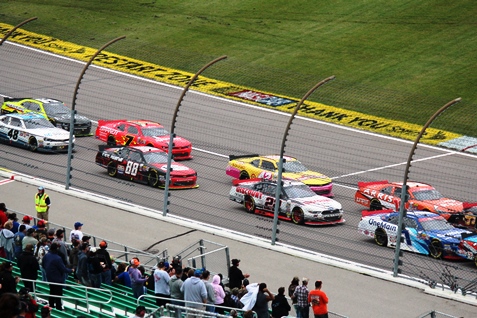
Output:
[[298, 202]]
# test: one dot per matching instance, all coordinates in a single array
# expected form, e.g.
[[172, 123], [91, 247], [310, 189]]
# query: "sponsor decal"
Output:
[[383, 225], [228, 90], [249, 192]]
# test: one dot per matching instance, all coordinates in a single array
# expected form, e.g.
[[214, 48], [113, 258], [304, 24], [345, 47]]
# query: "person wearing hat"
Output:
[[40, 228], [195, 292], [235, 275], [137, 279], [76, 234], [42, 204], [28, 265], [105, 261], [26, 220], [7, 281], [56, 272]]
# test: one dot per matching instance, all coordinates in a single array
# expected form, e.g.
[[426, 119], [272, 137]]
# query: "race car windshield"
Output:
[[299, 191], [294, 166], [427, 195], [155, 157], [36, 123], [153, 132], [435, 224], [55, 108]]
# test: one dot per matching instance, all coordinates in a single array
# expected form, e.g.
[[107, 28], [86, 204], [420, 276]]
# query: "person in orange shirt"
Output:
[[318, 301]]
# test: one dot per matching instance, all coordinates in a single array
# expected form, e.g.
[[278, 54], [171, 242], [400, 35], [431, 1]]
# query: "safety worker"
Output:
[[42, 204]]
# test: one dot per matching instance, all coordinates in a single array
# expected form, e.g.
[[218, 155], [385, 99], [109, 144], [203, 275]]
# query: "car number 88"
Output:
[[131, 168]]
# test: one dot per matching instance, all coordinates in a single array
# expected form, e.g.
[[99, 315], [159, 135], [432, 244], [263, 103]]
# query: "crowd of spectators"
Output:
[[34, 248]]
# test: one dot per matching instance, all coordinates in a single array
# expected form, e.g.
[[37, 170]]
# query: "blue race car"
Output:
[[423, 232]]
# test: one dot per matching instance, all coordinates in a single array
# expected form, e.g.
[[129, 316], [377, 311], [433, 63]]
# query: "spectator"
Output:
[[62, 250], [235, 297], [219, 294], [31, 306], [105, 261], [161, 284], [29, 238], [42, 204], [45, 312], [280, 305], [85, 239], [27, 221], [195, 293], [7, 281], [291, 289], [318, 301], [261, 304], [76, 234], [177, 296], [13, 217], [17, 240], [42, 248], [235, 275], [210, 292], [50, 234], [40, 229], [122, 276], [9, 305], [3, 214], [242, 291], [139, 313], [301, 296], [137, 279], [56, 272], [95, 269], [7, 244], [74, 252], [29, 266], [82, 273]]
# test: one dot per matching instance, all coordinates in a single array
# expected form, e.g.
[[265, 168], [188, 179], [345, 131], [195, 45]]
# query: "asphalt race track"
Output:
[[218, 128]]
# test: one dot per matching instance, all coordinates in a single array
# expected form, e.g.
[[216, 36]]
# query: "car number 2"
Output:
[[13, 134], [269, 204], [131, 168]]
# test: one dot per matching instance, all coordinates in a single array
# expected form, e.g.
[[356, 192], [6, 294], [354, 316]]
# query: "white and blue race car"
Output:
[[423, 232], [34, 132]]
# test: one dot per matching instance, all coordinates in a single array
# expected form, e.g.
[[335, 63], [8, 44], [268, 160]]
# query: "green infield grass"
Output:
[[392, 58]]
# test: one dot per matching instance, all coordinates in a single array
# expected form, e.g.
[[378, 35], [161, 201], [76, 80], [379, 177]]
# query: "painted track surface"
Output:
[[217, 128]]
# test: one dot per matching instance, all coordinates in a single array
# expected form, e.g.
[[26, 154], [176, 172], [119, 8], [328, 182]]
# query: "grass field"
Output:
[[396, 59]]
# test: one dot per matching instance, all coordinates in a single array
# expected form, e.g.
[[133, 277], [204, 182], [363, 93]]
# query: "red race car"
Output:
[[380, 195], [142, 133]]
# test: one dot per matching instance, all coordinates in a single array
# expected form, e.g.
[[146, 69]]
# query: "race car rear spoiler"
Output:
[[233, 157], [364, 184], [103, 147]]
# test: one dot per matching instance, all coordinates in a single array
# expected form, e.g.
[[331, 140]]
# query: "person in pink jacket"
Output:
[[219, 294]]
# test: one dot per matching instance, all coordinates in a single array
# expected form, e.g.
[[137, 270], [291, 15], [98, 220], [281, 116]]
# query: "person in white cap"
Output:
[[42, 204]]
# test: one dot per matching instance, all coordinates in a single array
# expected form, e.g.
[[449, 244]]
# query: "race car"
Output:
[[34, 132], [56, 111], [298, 203], [423, 232], [469, 246], [266, 167], [379, 195], [142, 133], [145, 165]]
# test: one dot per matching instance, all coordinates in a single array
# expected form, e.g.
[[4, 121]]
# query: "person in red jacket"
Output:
[[318, 301]]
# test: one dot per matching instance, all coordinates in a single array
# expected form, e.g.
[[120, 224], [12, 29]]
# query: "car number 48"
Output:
[[13, 134]]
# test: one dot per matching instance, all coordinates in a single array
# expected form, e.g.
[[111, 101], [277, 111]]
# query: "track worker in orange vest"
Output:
[[318, 301], [42, 204]]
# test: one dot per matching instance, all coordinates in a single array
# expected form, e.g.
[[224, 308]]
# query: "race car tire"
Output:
[[153, 178], [435, 249], [375, 205], [111, 141], [249, 204], [33, 144], [298, 217], [244, 175], [381, 237], [112, 169], [150, 145]]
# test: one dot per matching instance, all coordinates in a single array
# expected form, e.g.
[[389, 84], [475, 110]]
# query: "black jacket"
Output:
[[280, 306], [28, 265]]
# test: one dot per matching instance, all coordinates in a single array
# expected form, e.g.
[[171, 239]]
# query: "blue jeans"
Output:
[[106, 277], [302, 312]]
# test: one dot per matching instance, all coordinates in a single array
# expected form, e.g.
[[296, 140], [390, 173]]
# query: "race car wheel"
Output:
[[375, 205], [33, 144], [112, 169], [153, 178], [381, 237], [111, 141], [244, 175], [249, 204], [435, 249], [297, 216]]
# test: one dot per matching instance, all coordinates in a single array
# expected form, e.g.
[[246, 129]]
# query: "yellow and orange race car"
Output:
[[381, 195], [266, 167], [142, 133]]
